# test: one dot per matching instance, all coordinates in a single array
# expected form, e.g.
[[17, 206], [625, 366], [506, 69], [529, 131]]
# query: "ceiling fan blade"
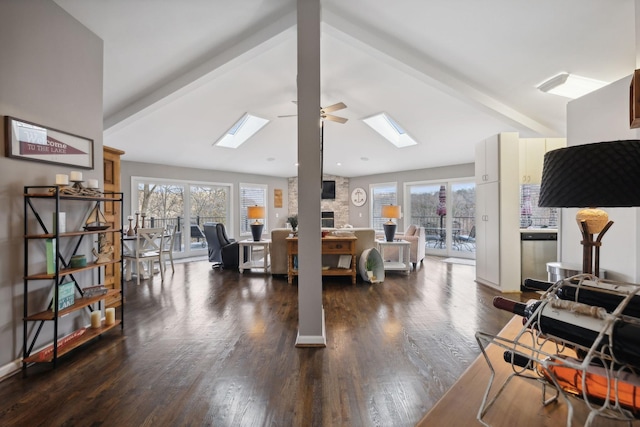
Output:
[[334, 107], [288, 115], [334, 118]]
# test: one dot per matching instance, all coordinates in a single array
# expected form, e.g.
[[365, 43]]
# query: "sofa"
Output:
[[416, 236], [278, 248]]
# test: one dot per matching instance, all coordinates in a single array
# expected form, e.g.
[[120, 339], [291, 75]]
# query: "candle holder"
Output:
[[143, 215], [130, 231], [135, 229]]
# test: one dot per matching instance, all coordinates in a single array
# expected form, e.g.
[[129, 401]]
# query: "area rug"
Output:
[[462, 261]]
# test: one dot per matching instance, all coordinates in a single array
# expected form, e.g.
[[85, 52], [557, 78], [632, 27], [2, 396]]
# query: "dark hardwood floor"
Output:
[[216, 348]]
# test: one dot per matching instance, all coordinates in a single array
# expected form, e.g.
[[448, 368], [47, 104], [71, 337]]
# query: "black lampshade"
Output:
[[603, 174]]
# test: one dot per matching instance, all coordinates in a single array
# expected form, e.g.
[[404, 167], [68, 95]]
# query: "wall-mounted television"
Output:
[[328, 189]]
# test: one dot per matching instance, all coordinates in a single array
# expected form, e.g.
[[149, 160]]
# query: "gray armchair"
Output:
[[213, 244], [223, 251]]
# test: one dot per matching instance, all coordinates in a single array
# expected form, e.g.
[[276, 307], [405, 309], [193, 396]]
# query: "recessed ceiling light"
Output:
[[390, 130], [242, 130], [270, 159], [364, 159], [570, 85], [338, 164]]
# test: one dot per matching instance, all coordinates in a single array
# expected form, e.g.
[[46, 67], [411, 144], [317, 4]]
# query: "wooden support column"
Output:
[[311, 331]]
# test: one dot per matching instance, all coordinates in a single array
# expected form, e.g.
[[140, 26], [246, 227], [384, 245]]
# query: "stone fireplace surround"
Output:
[[339, 206]]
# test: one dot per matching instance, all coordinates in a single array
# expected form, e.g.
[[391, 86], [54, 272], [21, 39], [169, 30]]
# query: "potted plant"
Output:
[[369, 265], [293, 221]]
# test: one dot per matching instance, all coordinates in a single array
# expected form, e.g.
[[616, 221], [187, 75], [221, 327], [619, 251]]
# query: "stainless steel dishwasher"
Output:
[[538, 247]]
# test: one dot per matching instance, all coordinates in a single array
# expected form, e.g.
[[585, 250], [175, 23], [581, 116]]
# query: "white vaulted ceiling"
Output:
[[179, 73]]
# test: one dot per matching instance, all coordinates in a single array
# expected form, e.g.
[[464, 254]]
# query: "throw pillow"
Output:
[[411, 230]]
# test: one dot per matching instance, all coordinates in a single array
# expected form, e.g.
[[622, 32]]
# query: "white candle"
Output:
[[130, 217], [110, 316], [76, 176], [92, 183], [62, 179], [95, 319]]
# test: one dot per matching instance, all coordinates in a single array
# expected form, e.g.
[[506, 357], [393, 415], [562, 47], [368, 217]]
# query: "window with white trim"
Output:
[[381, 194], [252, 195]]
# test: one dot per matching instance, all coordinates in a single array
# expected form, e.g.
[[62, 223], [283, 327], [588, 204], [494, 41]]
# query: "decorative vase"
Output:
[[130, 231], [135, 229]]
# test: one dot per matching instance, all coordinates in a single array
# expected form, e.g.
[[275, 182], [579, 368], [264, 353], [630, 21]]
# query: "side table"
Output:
[[402, 263], [250, 262]]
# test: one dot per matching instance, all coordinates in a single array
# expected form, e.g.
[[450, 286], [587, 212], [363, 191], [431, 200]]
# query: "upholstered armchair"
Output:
[[213, 244], [416, 237], [222, 249]]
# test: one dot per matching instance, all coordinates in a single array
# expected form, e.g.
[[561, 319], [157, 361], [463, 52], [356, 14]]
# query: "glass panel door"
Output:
[[207, 204], [446, 210], [463, 215], [428, 209], [186, 206], [162, 206]]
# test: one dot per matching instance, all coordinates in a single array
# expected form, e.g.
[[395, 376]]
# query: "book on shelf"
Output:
[[92, 291], [66, 295], [344, 261], [50, 248]]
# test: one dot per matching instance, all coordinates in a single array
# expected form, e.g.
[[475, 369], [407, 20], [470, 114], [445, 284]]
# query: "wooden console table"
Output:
[[331, 245], [520, 405]]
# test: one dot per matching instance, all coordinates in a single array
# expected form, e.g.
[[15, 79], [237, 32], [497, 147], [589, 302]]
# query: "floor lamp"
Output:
[[256, 213], [391, 212], [603, 174]]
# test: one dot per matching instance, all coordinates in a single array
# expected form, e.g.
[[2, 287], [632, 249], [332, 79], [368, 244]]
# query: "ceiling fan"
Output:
[[324, 112]]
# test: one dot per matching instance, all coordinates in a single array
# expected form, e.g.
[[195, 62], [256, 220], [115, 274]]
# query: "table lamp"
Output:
[[256, 212], [391, 212], [603, 174]]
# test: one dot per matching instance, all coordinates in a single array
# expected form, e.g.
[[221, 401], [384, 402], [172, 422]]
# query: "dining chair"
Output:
[[148, 248], [167, 247]]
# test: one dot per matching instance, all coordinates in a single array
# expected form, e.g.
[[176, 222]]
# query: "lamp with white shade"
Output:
[[256, 213], [391, 212]]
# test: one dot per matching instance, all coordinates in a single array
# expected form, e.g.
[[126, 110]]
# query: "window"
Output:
[[381, 194], [251, 195], [184, 205]]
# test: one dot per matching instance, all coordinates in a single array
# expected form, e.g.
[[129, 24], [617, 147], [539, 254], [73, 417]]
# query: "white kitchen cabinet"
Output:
[[554, 143], [487, 228], [487, 169], [531, 158], [532, 151], [498, 213]]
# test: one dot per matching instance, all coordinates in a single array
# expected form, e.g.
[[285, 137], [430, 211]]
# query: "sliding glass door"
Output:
[[184, 206], [446, 209]]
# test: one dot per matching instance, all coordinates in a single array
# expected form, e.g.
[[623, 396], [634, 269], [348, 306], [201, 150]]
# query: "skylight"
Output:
[[243, 129], [570, 85], [390, 130]]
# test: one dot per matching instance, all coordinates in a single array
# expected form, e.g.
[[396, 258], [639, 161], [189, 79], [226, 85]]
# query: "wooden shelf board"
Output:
[[71, 234], [72, 197], [67, 271], [89, 334], [79, 304]]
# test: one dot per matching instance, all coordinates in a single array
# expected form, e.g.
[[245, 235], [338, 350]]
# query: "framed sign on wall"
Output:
[[29, 141]]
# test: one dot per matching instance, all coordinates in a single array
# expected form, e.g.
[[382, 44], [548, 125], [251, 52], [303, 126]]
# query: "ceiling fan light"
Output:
[[570, 85], [243, 129], [390, 130]]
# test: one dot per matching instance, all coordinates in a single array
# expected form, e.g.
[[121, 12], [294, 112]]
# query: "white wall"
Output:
[[50, 74], [604, 116]]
